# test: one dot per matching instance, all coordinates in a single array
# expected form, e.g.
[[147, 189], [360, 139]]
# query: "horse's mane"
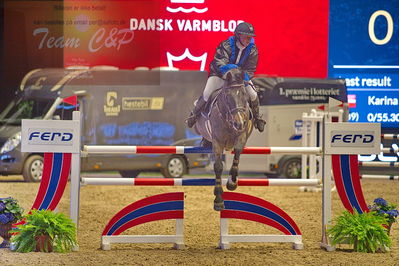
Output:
[[234, 76]]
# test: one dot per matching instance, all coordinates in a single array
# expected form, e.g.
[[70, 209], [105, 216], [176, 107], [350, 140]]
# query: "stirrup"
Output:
[[205, 143]]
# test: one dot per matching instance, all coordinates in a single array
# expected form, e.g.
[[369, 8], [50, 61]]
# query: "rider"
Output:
[[239, 51]]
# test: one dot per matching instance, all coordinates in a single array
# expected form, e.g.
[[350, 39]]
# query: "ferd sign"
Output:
[[352, 138], [50, 136], [349, 138]]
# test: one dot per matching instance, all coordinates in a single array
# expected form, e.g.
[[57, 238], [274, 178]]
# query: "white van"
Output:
[[121, 107]]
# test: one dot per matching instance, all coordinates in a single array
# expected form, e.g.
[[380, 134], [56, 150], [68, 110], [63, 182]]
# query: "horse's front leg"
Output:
[[218, 204], [232, 180]]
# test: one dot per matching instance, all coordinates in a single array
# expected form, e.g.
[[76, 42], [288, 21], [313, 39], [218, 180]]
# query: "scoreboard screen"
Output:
[[364, 49]]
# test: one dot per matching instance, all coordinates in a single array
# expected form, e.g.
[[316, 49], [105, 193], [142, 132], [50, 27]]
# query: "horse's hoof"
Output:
[[231, 185], [218, 206]]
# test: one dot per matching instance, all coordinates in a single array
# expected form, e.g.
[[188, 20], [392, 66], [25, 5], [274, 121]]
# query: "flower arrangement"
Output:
[[46, 231], [382, 208], [364, 232], [10, 211]]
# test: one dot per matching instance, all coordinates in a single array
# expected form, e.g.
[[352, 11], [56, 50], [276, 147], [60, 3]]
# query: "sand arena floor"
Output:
[[100, 203]]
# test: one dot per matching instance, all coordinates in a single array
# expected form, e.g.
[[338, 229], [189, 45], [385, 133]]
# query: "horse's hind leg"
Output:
[[232, 180], [218, 204]]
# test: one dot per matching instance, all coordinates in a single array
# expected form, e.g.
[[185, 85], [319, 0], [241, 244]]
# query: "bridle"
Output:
[[228, 116]]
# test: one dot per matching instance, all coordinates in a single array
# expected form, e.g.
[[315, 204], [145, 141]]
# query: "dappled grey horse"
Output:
[[227, 125]]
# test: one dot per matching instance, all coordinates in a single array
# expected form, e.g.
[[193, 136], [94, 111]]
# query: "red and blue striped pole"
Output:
[[254, 182], [114, 149]]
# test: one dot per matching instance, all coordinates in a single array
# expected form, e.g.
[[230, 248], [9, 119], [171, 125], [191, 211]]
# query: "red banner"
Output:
[[291, 35]]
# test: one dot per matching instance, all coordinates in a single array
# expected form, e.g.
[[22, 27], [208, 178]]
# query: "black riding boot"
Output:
[[196, 112], [258, 121]]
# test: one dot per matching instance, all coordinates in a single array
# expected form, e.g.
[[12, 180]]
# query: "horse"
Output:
[[227, 125]]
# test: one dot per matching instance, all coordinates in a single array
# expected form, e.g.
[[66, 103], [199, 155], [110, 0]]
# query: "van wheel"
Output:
[[175, 168], [33, 169], [292, 168], [129, 173]]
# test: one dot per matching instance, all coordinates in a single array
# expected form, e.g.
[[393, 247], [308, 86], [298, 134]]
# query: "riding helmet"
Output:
[[245, 28]]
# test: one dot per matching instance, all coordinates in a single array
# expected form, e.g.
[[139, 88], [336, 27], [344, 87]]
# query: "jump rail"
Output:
[[195, 182], [387, 177], [115, 149], [379, 164], [390, 150], [390, 136]]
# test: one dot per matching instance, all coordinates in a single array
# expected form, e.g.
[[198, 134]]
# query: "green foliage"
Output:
[[365, 231], [10, 211], [60, 229]]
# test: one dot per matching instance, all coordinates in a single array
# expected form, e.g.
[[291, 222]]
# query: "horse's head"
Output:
[[235, 100], [234, 77]]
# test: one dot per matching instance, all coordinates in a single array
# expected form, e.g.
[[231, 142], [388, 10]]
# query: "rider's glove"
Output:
[[225, 68], [246, 77]]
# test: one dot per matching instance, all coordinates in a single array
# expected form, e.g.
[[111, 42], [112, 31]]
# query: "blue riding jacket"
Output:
[[226, 56]]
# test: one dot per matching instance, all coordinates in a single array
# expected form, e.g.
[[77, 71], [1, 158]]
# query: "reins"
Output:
[[228, 120]]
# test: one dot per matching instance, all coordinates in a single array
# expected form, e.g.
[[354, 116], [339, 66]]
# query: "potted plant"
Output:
[[382, 208], [45, 231], [364, 232], [10, 212]]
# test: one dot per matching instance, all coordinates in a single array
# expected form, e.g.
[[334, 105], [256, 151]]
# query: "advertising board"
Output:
[[50, 136], [291, 36], [345, 138]]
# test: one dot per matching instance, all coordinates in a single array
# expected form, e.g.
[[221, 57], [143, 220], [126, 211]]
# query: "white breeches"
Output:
[[214, 82]]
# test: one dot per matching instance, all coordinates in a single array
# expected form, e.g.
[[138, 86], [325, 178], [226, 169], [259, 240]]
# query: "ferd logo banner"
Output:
[[57, 136], [352, 138], [50, 136]]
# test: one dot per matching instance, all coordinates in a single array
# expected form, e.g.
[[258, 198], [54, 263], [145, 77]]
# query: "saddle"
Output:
[[211, 101]]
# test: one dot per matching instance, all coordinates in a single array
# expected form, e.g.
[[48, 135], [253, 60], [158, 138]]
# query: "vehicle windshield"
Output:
[[25, 109]]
